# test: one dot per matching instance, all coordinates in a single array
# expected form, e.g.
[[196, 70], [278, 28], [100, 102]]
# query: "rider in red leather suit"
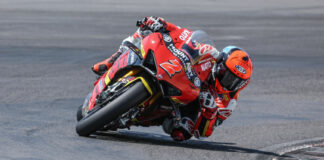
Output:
[[218, 97]]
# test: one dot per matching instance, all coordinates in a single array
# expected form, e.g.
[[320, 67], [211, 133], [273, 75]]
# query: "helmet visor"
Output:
[[230, 81]]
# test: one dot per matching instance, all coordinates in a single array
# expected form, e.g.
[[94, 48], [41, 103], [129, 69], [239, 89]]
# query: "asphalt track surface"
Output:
[[307, 154], [47, 49], [310, 153]]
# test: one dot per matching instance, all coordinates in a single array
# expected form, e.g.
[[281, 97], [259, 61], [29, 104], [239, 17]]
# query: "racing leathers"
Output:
[[211, 108]]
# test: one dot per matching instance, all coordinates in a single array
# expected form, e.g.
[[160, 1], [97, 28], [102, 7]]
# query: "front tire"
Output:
[[133, 96], [79, 113]]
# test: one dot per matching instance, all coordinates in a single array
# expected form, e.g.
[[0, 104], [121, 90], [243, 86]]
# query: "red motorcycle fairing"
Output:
[[169, 67], [128, 58], [99, 86]]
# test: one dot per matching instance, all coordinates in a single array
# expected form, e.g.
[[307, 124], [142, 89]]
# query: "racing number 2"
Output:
[[172, 67]]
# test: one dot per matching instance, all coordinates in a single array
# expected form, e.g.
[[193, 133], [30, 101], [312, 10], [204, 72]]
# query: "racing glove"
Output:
[[152, 23], [208, 104], [204, 125], [178, 130], [207, 100]]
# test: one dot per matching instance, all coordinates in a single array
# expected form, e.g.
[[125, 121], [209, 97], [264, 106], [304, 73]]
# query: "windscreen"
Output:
[[191, 47], [201, 37]]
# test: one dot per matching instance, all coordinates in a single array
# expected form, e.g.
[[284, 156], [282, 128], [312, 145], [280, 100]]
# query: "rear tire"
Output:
[[133, 96]]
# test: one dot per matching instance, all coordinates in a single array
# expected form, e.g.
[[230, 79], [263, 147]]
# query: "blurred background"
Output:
[[47, 48]]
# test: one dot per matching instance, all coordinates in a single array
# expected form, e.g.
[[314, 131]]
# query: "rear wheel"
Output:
[[133, 96]]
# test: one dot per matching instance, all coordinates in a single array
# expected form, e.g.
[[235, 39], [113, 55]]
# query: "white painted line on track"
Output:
[[284, 148]]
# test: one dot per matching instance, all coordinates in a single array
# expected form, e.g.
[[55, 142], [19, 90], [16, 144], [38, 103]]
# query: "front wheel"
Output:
[[133, 96], [79, 113]]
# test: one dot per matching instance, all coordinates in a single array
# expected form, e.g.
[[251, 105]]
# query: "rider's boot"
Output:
[[101, 67], [181, 131]]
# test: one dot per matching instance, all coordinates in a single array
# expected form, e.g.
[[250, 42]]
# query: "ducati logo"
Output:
[[167, 38]]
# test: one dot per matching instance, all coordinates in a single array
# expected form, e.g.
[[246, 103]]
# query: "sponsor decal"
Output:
[[205, 60], [184, 35], [190, 73], [225, 112], [172, 67], [240, 69], [205, 49], [206, 66], [121, 62]]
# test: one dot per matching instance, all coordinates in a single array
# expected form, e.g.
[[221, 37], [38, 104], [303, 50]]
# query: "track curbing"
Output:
[[284, 148]]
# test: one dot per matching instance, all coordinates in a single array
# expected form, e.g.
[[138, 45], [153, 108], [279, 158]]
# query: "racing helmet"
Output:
[[233, 71]]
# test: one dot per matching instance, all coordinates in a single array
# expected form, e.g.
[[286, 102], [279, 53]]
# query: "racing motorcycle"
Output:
[[149, 82]]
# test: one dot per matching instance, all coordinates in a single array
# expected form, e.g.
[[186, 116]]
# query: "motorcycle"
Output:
[[150, 81]]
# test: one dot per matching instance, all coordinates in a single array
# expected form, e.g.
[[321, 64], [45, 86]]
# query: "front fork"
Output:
[[103, 89], [177, 114]]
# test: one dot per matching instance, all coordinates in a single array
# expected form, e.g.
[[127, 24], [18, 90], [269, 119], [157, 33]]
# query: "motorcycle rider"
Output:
[[218, 97]]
